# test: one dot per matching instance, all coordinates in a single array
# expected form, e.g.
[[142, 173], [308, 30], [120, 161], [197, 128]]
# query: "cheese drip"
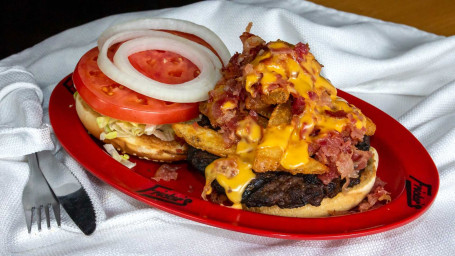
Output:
[[323, 113], [235, 172]]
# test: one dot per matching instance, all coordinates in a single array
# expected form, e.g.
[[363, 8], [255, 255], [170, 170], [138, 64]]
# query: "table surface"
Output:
[[435, 16]]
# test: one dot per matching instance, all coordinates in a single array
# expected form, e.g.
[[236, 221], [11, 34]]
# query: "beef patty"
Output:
[[279, 188]]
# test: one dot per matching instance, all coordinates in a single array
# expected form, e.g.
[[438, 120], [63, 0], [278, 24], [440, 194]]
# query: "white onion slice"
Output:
[[170, 24], [194, 90], [122, 72]]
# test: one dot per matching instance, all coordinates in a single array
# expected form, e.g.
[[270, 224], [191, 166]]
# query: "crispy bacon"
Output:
[[230, 88], [284, 50], [313, 96], [166, 172], [327, 177], [226, 166], [298, 105], [252, 44], [335, 149], [377, 196], [301, 50], [325, 99], [336, 114], [345, 165], [339, 152], [360, 158]]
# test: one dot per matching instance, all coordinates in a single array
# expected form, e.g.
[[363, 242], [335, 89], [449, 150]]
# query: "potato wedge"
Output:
[[203, 138], [282, 114], [371, 127], [267, 159], [256, 103], [312, 167], [277, 96]]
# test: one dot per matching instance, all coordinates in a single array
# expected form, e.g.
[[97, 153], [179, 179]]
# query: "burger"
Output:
[[276, 139], [144, 76]]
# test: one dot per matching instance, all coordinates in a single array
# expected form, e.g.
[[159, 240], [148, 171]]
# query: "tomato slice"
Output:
[[163, 66], [112, 99]]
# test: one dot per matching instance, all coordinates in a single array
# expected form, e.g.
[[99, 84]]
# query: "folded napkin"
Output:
[[405, 72]]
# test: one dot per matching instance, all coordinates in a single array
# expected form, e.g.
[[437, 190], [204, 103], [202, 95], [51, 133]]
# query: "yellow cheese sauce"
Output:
[[303, 80]]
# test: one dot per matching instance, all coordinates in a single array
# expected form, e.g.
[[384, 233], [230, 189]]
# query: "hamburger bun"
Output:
[[342, 202], [145, 146]]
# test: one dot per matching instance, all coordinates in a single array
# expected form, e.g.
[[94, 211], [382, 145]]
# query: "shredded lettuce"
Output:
[[114, 128], [102, 121], [111, 135]]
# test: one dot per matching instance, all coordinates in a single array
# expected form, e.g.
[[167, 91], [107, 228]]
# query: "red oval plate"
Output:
[[404, 164]]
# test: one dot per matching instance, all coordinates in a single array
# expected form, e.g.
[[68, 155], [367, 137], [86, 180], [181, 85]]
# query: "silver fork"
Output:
[[37, 195]]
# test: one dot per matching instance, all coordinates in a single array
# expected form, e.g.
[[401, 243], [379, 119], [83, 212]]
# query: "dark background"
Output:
[[26, 23]]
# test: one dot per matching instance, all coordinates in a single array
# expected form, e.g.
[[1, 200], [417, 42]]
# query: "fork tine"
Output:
[[56, 207], [28, 218], [39, 217], [46, 212], [38, 195]]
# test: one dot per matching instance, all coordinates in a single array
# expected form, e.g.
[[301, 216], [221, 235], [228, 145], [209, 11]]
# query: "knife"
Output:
[[69, 192]]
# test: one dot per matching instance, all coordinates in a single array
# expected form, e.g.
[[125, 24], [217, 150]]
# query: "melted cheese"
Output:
[[234, 186], [277, 136], [294, 138], [250, 80], [296, 154], [228, 105]]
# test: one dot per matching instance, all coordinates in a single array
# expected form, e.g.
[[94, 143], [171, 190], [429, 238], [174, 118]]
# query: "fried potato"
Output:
[[371, 127], [277, 96], [282, 114], [203, 138], [267, 159], [255, 103], [262, 121], [258, 106], [312, 167]]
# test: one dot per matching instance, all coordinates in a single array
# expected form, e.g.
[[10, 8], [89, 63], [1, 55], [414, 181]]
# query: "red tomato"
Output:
[[112, 99], [163, 66]]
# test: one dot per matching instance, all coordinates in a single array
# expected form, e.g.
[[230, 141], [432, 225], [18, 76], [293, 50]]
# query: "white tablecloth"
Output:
[[408, 73]]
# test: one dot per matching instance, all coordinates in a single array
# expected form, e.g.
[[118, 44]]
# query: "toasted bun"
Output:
[[344, 201], [145, 146]]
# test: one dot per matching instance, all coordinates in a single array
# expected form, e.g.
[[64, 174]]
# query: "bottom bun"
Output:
[[342, 202], [145, 146]]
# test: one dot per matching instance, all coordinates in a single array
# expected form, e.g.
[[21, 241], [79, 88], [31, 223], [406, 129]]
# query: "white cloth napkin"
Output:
[[407, 73]]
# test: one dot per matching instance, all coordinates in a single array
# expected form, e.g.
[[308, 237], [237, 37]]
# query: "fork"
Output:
[[37, 195]]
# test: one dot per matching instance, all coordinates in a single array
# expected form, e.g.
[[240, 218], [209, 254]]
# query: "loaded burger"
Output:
[[276, 139], [143, 76]]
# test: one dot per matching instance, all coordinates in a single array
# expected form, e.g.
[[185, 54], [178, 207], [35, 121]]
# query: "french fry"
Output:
[[282, 114], [276, 96], [312, 167], [267, 159], [268, 155], [203, 138], [256, 104]]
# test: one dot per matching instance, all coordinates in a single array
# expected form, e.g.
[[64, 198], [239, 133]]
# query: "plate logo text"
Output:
[[416, 192], [165, 194]]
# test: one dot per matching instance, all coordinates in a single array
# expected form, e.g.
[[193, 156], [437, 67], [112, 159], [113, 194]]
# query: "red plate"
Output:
[[404, 164]]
